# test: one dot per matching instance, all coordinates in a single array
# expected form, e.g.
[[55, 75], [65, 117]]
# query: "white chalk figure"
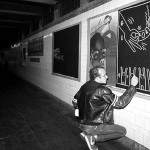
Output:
[[143, 74], [135, 37], [58, 55]]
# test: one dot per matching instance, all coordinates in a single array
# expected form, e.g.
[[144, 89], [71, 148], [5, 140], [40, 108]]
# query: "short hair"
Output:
[[94, 72], [108, 16]]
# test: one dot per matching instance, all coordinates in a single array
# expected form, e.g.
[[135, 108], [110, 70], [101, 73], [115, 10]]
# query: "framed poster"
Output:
[[103, 43], [134, 46], [66, 45], [35, 47]]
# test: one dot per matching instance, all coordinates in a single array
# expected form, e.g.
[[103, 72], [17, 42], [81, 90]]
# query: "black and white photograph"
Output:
[[74, 75]]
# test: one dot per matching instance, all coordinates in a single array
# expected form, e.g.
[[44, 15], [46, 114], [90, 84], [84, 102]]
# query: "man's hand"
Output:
[[74, 102], [134, 80]]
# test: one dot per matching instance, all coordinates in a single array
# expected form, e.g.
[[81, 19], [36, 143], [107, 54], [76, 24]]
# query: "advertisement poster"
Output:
[[103, 43], [35, 47]]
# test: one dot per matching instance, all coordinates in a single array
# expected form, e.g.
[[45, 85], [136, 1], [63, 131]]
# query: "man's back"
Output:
[[84, 95], [95, 103], [91, 105]]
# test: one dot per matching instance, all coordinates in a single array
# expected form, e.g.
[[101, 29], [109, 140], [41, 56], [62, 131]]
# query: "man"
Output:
[[94, 104], [108, 35]]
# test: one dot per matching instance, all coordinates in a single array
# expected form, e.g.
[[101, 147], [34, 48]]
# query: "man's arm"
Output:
[[75, 100], [122, 101], [125, 99], [75, 103]]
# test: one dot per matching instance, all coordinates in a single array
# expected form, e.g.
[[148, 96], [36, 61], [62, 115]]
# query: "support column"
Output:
[[41, 23]]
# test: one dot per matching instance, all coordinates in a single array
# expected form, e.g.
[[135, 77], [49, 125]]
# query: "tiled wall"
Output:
[[135, 117]]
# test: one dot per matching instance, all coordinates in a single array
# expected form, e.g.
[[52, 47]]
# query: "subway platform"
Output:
[[33, 120]]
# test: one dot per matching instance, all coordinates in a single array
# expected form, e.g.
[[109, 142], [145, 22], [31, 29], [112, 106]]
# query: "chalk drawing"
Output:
[[125, 74], [135, 37]]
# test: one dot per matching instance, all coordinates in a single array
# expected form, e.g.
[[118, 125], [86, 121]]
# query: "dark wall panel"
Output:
[[134, 46], [66, 52]]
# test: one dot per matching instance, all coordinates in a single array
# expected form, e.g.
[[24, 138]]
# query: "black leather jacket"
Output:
[[96, 103]]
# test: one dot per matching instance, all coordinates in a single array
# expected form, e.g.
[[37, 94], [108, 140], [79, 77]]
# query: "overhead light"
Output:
[[15, 45], [45, 36]]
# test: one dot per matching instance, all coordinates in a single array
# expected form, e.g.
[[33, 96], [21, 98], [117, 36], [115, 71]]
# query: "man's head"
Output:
[[98, 74], [107, 19]]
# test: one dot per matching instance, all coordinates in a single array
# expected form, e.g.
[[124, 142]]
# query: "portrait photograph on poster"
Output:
[[103, 43], [134, 46], [66, 47]]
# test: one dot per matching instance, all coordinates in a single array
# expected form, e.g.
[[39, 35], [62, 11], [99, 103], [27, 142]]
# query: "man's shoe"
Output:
[[90, 140]]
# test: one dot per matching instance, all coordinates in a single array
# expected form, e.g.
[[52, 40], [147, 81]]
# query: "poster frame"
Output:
[[88, 42], [79, 55], [30, 54]]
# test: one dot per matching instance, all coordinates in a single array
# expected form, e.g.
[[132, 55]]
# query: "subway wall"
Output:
[[135, 117]]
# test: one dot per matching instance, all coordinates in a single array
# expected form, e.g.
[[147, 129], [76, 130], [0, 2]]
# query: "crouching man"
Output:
[[94, 104]]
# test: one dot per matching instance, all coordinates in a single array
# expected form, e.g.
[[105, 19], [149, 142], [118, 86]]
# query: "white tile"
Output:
[[124, 114], [145, 114], [147, 124], [130, 133], [139, 137], [140, 121], [147, 142], [126, 124], [140, 103], [131, 117], [145, 132], [147, 106], [119, 120], [135, 110]]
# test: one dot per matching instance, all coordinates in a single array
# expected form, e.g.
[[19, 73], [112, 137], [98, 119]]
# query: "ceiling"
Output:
[[16, 17]]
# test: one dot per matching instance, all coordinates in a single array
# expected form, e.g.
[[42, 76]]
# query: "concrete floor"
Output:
[[31, 120]]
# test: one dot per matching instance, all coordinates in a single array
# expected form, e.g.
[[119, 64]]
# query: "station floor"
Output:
[[32, 120]]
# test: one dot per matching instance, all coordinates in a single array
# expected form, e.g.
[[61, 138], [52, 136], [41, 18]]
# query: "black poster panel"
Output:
[[134, 46], [35, 47], [66, 52]]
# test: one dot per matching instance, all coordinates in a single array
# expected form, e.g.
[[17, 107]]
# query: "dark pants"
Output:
[[104, 132]]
